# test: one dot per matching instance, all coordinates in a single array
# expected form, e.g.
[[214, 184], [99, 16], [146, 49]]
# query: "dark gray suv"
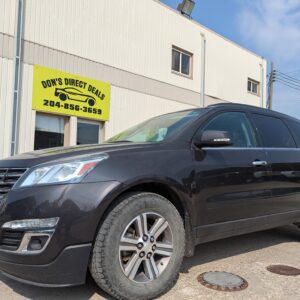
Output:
[[130, 209]]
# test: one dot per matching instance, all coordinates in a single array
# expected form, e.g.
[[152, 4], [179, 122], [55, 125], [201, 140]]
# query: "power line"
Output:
[[281, 78], [287, 81], [287, 76], [284, 79], [292, 87]]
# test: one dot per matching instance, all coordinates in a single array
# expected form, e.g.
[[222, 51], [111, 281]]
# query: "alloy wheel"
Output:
[[146, 247]]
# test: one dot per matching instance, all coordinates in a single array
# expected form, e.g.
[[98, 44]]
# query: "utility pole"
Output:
[[271, 82]]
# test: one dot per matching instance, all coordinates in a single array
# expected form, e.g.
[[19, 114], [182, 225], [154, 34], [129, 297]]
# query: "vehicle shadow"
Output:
[[242, 244], [204, 254], [88, 291]]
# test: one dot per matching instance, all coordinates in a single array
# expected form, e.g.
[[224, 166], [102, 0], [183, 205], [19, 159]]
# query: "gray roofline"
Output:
[[208, 29], [255, 109]]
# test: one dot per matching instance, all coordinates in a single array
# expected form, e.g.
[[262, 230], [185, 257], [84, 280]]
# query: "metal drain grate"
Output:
[[223, 281], [283, 270]]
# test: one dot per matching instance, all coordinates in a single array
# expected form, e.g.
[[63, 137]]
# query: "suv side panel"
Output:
[[284, 158], [229, 186]]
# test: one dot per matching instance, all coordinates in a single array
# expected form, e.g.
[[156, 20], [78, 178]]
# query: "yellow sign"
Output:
[[67, 94]]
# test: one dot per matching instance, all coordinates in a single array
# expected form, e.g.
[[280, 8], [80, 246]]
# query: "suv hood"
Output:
[[34, 158]]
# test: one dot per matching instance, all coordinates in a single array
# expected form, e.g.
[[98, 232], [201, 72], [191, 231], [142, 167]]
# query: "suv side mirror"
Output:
[[213, 138]]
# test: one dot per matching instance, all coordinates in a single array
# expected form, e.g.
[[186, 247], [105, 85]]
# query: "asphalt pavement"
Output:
[[247, 256]]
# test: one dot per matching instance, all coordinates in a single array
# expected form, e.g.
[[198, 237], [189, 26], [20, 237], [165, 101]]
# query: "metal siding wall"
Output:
[[119, 33], [6, 75], [227, 73], [129, 108], [131, 35], [42, 55], [27, 115], [7, 16], [6, 46], [137, 36]]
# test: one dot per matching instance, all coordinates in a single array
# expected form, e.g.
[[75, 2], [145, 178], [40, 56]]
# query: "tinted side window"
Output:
[[295, 127], [274, 132], [238, 127]]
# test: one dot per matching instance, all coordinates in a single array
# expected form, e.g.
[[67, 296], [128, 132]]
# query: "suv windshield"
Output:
[[157, 129]]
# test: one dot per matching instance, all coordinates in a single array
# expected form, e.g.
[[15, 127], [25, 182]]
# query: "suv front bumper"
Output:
[[68, 269], [64, 261]]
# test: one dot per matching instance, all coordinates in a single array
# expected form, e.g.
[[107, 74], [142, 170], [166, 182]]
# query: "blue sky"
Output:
[[270, 28]]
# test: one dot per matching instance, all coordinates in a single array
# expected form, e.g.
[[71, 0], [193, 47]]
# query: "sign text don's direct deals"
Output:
[[59, 92]]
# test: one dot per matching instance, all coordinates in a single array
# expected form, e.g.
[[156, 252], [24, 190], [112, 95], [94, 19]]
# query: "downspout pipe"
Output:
[[17, 76], [262, 86], [202, 68]]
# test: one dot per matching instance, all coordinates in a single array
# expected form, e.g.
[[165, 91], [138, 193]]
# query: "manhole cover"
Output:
[[222, 281], [284, 270]]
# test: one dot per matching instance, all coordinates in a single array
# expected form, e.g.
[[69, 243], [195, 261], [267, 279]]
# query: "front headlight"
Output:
[[69, 171], [31, 223]]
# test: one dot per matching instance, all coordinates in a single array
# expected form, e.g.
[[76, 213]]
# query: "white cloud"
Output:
[[272, 28]]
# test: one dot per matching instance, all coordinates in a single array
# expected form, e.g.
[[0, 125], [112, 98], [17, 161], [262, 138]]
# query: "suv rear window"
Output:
[[295, 128], [273, 131]]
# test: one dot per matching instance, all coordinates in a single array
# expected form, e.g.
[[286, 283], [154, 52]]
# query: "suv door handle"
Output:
[[258, 163]]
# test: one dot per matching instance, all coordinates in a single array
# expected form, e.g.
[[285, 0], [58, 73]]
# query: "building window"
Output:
[[88, 132], [49, 132], [181, 62], [253, 86]]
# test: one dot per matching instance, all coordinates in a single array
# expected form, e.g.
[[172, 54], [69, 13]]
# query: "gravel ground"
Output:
[[247, 256]]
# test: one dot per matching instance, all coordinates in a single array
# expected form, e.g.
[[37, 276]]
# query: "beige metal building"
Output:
[[154, 60]]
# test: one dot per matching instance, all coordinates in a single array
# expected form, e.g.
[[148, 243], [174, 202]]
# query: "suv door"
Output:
[[284, 159], [231, 181]]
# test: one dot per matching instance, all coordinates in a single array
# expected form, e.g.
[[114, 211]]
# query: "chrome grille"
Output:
[[8, 178]]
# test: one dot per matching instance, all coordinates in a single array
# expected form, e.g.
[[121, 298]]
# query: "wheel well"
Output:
[[156, 188], [162, 190]]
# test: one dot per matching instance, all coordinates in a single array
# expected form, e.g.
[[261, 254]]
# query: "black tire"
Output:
[[105, 266]]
